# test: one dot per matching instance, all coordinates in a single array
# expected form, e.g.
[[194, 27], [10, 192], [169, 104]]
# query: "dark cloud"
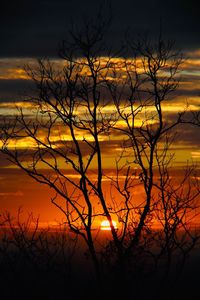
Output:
[[34, 28], [185, 93], [13, 90]]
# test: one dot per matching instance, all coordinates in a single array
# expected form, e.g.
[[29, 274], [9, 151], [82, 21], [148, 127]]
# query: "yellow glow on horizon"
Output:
[[195, 154], [59, 137], [17, 104], [14, 73], [23, 143], [12, 68]]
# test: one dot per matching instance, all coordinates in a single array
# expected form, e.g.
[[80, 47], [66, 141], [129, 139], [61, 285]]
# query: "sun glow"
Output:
[[105, 225]]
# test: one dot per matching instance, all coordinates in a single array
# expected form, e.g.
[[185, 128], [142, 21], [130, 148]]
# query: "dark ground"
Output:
[[49, 269], [24, 281]]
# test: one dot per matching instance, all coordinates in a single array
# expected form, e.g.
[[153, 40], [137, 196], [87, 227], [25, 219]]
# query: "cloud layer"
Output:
[[35, 28]]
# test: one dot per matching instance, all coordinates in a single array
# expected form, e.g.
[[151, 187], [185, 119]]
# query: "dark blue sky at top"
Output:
[[34, 28]]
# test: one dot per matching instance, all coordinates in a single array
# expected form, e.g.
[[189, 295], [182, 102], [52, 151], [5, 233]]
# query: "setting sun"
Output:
[[105, 225]]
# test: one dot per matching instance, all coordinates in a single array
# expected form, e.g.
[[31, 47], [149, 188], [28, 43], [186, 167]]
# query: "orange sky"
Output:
[[17, 189]]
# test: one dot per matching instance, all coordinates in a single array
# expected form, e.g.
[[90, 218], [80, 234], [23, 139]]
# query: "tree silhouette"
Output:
[[92, 98]]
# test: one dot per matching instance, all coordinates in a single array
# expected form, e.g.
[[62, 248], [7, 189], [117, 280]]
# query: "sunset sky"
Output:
[[33, 29]]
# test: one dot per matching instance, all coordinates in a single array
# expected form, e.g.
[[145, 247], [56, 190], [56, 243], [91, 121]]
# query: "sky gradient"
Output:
[[34, 29]]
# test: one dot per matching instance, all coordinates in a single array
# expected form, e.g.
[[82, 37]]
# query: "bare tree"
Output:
[[92, 96], [32, 254]]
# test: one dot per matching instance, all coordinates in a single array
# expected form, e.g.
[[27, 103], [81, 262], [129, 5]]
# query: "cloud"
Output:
[[195, 154], [34, 28], [13, 90]]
